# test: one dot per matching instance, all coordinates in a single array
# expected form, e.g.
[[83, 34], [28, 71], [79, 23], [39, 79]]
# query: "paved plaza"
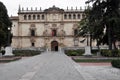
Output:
[[55, 66]]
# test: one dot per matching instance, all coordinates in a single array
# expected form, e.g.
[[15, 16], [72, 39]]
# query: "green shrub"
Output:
[[25, 52], [118, 53], [94, 51], [105, 53], [2, 51], [116, 63], [110, 53], [74, 52], [115, 53]]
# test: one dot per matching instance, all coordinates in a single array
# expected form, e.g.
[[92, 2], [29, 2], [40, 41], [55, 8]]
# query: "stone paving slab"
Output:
[[55, 66], [102, 73], [47, 66]]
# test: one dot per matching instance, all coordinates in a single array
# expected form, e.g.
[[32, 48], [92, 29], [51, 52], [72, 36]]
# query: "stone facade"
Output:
[[52, 28]]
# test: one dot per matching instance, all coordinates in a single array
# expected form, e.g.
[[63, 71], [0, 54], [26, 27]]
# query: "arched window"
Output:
[[32, 32], [25, 17], [78, 16], [34, 17], [38, 17], [74, 16], [43, 17], [69, 16], [65, 16], [29, 17]]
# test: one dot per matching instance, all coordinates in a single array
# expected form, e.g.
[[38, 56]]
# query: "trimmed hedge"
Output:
[[25, 52], [79, 52], [92, 60], [94, 51], [116, 63], [110, 53]]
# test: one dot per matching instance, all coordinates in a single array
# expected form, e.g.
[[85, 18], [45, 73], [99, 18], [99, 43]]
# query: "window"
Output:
[[43, 17], [69, 16], [25, 17], [32, 32], [29, 17], [38, 16], [74, 16], [34, 17], [54, 32], [78, 16], [32, 44], [65, 16], [75, 32]]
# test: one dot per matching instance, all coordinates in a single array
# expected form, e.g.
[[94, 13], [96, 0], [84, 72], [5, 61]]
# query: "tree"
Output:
[[5, 22], [104, 18], [84, 29], [111, 18], [91, 24]]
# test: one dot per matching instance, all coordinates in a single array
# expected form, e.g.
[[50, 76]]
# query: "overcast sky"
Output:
[[12, 5]]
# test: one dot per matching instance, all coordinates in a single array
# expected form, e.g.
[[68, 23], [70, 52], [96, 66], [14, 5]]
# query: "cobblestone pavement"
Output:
[[55, 66]]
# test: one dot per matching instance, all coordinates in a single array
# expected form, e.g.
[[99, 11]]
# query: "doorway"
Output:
[[54, 46]]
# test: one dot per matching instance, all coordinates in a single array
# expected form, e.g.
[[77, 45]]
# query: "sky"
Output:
[[13, 5]]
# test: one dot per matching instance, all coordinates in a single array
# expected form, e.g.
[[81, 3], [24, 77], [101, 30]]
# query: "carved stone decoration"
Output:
[[62, 33], [32, 27], [62, 24], [62, 45], [54, 9], [45, 33], [32, 39], [75, 26], [54, 25]]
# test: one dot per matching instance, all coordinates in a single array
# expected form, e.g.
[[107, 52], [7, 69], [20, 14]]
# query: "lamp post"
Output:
[[8, 48], [8, 43]]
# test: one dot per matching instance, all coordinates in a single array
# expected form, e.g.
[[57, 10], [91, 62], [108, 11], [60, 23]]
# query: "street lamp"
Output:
[[8, 48], [8, 43]]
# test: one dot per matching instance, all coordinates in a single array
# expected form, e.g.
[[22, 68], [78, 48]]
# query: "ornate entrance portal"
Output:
[[54, 46]]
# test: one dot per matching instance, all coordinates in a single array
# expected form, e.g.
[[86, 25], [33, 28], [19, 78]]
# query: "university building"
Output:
[[52, 28]]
